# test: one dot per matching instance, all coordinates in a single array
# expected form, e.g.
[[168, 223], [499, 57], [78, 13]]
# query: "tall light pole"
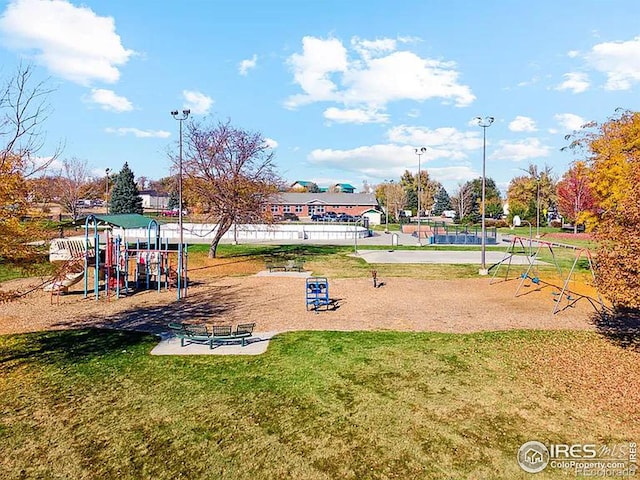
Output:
[[386, 194], [185, 114], [419, 152], [106, 188], [484, 123]]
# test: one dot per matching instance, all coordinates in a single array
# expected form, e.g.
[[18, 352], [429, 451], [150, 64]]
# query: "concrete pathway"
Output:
[[438, 256], [256, 345]]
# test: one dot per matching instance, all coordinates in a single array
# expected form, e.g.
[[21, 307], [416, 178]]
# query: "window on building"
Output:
[[286, 209], [299, 208], [274, 208]]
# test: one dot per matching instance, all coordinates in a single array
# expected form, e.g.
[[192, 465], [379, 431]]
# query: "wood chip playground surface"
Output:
[[277, 304]]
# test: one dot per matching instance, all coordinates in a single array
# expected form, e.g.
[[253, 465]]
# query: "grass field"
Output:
[[339, 262], [321, 405]]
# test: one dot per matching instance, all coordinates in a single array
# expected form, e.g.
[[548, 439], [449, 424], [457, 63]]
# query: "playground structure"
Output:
[[123, 266], [317, 289], [533, 273]]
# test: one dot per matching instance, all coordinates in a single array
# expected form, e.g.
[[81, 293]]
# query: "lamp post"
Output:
[[419, 152], [484, 123], [185, 114], [106, 188], [538, 206], [386, 216]]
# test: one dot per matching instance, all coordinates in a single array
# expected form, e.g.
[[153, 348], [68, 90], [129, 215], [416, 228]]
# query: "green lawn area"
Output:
[[42, 267], [317, 405]]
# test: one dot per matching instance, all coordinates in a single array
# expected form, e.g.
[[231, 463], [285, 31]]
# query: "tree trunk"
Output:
[[224, 224]]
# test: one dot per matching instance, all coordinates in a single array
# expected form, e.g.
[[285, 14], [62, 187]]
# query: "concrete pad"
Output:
[[439, 256], [266, 273], [256, 345]]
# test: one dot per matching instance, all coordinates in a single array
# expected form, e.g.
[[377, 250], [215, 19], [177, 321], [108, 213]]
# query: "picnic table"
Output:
[[295, 265]]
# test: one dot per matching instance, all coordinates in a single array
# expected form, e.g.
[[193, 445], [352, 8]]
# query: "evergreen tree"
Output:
[[443, 202], [173, 200], [125, 197]]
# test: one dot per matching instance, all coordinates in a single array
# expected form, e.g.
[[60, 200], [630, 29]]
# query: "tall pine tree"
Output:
[[125, 197], [173, 200], [442, 203]]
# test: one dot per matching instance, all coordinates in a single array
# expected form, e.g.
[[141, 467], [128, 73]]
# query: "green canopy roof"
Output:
[[127, 220]]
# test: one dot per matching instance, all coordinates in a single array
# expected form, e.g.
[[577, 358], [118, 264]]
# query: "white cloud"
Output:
[[197, 102], [570, 121], [136, 132], [380, 161], [531, 81], [522, 124], [313, 67], [413, 113], [385, 161], [577, 82], [573, 53], [52, 164], [355, 115], [520, 150], [458, 173], [620, 61], [443, 139], [373, 48], [72, 42], [109, 100], [271, 143], [379, 74], [245, 65]]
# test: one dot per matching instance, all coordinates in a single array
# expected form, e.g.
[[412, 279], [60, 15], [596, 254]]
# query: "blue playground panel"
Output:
[[317, 291], [462, 239]]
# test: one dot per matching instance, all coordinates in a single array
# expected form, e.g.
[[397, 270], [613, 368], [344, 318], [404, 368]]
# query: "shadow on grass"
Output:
[[66, 346], [203, 306], [620, 326]]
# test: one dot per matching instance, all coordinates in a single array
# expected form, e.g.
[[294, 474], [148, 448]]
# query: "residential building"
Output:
[[153, 200], [337, 188], [344, 188], [307, 204]]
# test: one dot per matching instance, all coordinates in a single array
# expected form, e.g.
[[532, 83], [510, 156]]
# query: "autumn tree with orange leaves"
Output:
[[613, 157], [575, 200], [23, 109], [229, 174]]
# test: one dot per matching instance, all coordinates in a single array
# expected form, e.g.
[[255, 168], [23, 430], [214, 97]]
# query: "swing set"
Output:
[[532, 273]]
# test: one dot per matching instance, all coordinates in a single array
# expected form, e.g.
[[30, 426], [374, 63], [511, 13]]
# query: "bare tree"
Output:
[[229, 174], [71, 183], [23, 109], [397, 198], [463, 200]]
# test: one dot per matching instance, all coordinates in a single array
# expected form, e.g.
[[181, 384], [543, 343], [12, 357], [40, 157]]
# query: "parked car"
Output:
[[346, 218], [316, 217], [292, 217], [175, 212]]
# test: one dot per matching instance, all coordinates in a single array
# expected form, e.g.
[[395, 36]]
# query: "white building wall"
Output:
[[203, 233]]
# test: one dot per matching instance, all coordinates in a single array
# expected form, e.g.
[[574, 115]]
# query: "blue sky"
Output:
[[342, 90]]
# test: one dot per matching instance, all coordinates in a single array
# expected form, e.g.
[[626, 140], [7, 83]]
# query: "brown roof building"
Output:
[[307, 204]]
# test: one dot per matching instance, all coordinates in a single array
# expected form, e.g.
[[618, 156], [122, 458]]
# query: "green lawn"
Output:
[[321, 405]]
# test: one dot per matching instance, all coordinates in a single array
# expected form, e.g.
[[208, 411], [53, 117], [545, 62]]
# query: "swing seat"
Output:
[[535, 280]]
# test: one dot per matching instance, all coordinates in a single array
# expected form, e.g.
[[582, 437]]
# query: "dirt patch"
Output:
[[278, 304]]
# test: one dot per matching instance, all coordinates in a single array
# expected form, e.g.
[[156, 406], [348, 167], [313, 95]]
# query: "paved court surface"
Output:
[[438, 256], [256, 345]]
